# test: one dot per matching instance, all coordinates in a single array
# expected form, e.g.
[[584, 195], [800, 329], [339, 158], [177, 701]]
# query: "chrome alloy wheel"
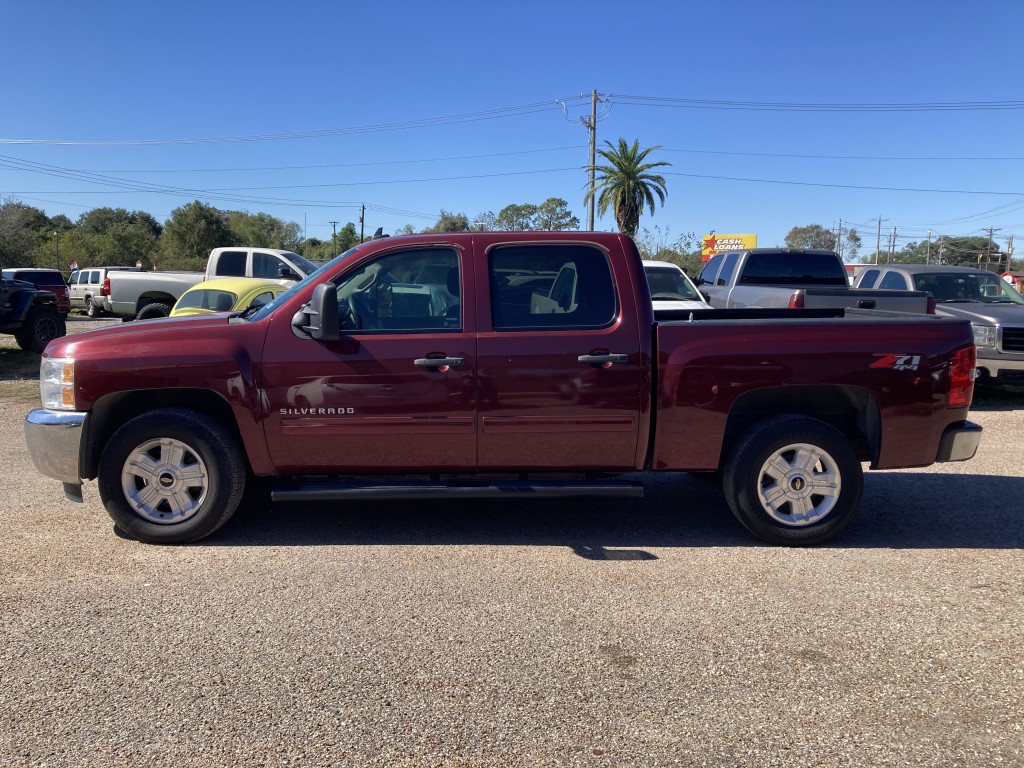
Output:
[[164, 481], [799, 484]]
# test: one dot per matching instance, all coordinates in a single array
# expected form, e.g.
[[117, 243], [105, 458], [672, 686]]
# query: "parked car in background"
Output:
[[671, 287], [227, 294], [994, 307], [85, 285], [45, 280], [794, 278], [145, 295]]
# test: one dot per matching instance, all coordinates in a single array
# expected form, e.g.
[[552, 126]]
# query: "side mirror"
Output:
[[287, 274], [319, 318]]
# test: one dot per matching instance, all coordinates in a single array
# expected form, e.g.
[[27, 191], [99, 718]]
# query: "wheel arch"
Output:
[[112, 411], [852, 410]]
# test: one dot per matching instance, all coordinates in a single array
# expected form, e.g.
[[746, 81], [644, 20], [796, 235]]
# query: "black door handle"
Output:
[[439, 362], [599, 359]]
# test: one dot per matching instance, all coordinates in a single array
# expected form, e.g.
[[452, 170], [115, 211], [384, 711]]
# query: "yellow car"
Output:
[[227, 294]]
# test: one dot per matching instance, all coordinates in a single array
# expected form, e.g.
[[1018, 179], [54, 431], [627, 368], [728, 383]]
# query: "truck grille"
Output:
[[1013, 339]]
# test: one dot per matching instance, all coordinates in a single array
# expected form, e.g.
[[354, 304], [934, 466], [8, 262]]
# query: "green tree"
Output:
[[23, 232], [515, 217], [261, 230], [659, 245], [626, 184], [450, 222], [811, 236], [554, 214], [191, 233]]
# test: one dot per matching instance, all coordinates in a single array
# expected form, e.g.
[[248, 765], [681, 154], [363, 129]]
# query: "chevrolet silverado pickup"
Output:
[[797, 279], [515, 364]]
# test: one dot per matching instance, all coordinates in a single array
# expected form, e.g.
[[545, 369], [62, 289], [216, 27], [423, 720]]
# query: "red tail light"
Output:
[[961, 377], [105, 288], [796, 301], [931, 305]]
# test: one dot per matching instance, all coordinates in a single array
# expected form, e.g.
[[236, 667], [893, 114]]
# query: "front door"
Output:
[[397, 391]]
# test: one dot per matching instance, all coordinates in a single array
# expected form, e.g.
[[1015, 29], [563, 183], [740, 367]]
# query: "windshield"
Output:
[[265, 310], [980, 287], [669, 283]]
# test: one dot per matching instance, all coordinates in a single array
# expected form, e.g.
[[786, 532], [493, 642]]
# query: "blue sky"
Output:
[[410, 108]]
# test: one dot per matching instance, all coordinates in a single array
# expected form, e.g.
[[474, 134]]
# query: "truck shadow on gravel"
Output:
[[899, 510]]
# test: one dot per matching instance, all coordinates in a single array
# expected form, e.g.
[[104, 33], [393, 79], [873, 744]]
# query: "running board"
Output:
[[430, 489]]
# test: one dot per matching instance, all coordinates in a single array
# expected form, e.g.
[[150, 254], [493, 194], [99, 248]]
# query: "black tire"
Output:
[[43, 324], [91, 310], [771, 476], [154, 310], [171, 476]]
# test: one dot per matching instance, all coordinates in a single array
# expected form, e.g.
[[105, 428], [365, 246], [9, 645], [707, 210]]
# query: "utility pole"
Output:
[[334, 238], [839, 240], [878, 240], [988, 249], [928, 253], [362, 223], [593, 155], [1009, 251]]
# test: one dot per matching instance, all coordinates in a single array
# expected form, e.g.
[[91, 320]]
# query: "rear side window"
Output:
[[231, 264], [728, 267], [550, 286], [788, 268], [893, 281], [869, 278]]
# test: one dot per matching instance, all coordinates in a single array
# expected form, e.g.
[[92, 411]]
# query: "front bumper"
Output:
[[959, 442], [998, 364], [54, 441]]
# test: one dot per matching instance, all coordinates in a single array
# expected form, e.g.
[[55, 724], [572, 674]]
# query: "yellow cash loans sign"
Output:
[[712, 244]]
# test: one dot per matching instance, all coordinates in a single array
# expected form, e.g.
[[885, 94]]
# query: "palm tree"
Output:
[[626, 184]]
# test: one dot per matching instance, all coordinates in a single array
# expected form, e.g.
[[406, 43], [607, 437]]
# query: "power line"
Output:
[[780, 106]]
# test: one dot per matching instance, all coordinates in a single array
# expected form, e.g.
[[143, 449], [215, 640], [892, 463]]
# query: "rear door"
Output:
[[559, 366], [397, 392]]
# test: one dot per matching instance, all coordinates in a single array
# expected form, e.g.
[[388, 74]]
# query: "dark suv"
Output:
[[45, 280]]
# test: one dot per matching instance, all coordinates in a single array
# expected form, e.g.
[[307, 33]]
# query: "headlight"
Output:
[[985, 335], [57, 383]]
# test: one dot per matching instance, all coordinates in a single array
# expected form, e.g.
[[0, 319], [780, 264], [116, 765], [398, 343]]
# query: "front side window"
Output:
[[269, 266], [550, 286], [388, 294], [707, 275]]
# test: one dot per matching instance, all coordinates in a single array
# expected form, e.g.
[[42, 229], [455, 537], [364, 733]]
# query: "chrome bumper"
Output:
[[54, 443], [959, 442]]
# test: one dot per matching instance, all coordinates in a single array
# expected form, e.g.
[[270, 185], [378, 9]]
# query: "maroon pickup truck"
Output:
[[498, 364]]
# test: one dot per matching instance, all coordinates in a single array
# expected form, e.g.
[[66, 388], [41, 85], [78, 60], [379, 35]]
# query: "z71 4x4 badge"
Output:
[[897, 362]]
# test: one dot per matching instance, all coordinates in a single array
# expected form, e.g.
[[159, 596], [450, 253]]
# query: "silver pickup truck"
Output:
[[797, 279], [994, 307]]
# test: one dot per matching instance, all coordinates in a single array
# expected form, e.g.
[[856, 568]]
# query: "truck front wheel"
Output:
[[43, 324], [793, 480], [171, 476]]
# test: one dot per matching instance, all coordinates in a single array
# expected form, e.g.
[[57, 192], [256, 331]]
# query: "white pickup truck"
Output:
[[145, 295], [778, 278]]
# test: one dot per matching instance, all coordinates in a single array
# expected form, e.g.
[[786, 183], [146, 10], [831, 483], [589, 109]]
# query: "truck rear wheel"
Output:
[[91, 310], [171, 476], [154, 310], [42, 324], [793, 480]]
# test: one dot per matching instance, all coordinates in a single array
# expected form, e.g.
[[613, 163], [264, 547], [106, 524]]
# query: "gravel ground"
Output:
[[597, 633]]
